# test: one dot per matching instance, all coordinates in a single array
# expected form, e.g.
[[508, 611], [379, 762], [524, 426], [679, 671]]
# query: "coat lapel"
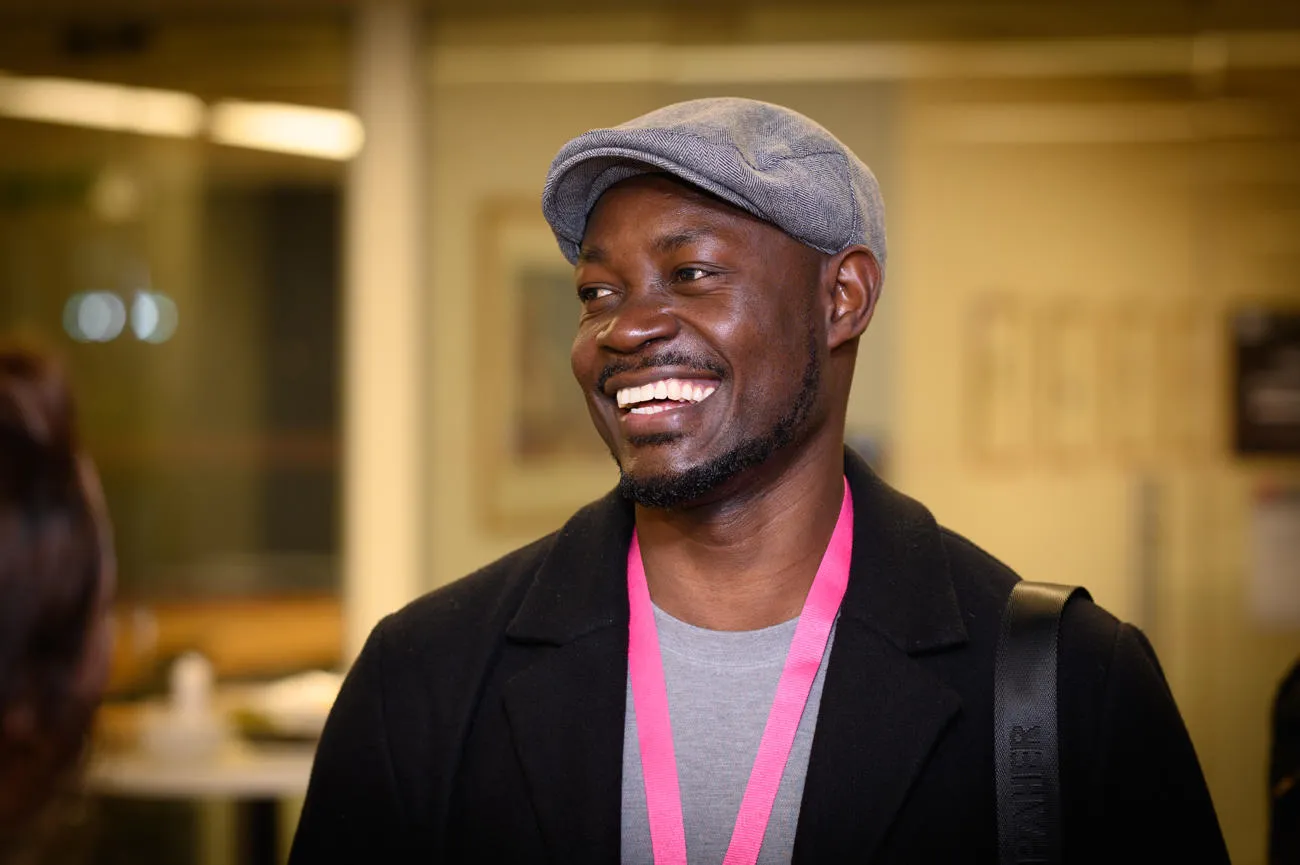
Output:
[[882, 712], [565, 708], [869, 746], [566, 719]]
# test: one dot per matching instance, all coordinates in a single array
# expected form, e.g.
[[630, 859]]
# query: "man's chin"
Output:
[[660, 491], [681, 487]]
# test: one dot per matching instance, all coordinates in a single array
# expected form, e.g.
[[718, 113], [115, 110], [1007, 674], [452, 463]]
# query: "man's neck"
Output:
[[746, 562]]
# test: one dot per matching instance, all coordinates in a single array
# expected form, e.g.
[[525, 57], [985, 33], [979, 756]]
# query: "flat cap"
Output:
[[766, 159]]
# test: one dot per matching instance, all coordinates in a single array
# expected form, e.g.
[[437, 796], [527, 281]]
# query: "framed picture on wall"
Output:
[[1266, 382], [538, 456], [1067, 381], [1131, 403], [1189, 381], [998, 371]]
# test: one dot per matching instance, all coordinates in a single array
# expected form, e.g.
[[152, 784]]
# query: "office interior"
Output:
[[318, 330]]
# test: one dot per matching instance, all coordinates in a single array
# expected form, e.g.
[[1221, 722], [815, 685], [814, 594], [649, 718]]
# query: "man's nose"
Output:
[[643, 317]]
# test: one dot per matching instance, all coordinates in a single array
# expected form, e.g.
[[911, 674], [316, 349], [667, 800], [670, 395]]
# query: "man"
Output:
[[753, 648]]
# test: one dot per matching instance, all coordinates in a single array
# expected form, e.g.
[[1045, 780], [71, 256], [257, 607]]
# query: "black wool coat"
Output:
[[483, 722]]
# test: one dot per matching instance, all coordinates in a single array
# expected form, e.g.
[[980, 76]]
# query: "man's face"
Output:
[[699, 349]]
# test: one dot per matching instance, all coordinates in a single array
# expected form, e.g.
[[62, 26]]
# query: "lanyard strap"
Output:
[[654, 728]]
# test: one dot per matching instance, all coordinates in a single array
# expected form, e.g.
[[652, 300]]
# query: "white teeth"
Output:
[[673, 389]]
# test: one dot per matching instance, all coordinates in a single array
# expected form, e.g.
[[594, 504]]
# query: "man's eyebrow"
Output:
[[591, 255]]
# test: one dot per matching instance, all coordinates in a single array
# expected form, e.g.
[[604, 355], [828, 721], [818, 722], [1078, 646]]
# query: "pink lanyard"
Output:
[[650, 698]]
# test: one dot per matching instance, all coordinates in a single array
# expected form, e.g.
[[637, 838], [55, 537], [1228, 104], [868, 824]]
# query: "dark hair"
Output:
[[56, 576]]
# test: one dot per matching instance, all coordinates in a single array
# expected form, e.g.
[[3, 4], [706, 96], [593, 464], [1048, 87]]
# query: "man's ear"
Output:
[[856, 290]]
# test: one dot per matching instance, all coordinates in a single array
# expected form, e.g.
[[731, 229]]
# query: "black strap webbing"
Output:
[[1025, 755]]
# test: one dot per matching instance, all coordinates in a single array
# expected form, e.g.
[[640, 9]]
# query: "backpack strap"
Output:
[[1026, 761]]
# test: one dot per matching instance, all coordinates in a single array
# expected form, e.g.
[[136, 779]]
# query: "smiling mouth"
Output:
[[664, 395]]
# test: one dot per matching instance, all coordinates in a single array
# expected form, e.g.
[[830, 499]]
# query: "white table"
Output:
[[255, 777], [239, 771]]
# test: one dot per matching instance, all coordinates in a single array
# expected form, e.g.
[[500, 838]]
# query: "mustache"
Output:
[[662, 358]]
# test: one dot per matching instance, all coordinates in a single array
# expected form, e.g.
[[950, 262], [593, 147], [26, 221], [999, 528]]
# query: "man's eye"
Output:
[[588, 293], [689, 274]]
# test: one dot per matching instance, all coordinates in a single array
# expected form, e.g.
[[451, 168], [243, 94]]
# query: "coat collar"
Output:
[[899, 585]]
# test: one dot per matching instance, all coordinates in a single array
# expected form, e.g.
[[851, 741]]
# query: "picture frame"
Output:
[[1132, 400], [1068, 384], [1265, 381], [538, 456], [997, 366], [1189, 353]]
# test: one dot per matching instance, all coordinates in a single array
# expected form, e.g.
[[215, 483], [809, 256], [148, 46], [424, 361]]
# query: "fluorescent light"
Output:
[[297, 129], [102, 106]]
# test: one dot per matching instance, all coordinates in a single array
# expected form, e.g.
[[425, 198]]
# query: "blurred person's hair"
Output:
[[56, 584]]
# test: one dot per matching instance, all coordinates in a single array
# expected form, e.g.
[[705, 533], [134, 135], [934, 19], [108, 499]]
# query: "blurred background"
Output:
[[319, 330]]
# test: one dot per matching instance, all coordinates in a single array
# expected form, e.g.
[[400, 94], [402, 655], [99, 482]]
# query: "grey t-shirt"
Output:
[[720, 690]]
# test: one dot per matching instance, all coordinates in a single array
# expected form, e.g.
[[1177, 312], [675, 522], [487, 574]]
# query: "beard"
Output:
[[678, 488]]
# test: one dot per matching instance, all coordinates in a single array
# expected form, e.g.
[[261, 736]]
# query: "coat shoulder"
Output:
[[983, 583], [470, 607]]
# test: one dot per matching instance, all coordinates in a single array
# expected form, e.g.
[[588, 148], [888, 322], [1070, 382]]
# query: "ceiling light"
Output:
[[102, 106], [321, 132]]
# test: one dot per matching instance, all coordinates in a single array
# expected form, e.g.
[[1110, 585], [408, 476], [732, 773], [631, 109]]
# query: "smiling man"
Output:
[[753, 650]]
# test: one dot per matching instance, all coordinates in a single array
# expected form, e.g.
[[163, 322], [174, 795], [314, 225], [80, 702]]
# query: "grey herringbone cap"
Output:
[[763, 158]]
